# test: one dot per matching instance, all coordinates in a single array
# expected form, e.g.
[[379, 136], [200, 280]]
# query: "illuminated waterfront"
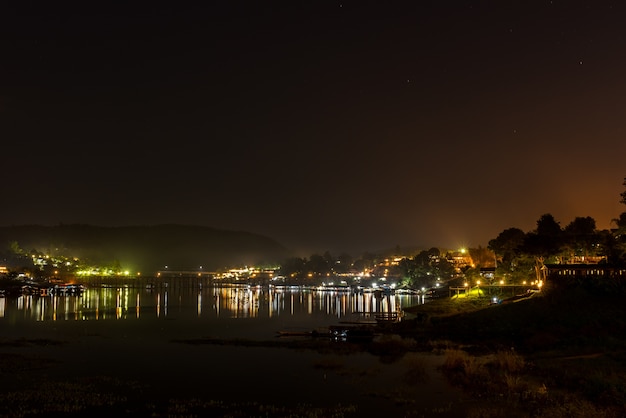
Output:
[[197, 302]]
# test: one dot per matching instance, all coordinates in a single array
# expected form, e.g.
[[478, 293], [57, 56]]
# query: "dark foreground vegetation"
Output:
[[560, 353]]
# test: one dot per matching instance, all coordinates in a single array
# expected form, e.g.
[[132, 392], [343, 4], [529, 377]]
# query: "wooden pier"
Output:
[[373, 318]]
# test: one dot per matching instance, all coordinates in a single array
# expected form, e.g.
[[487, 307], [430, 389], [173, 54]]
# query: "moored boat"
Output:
[[352, 333]]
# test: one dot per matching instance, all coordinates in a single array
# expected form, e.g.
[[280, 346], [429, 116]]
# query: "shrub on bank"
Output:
[[569, 342]]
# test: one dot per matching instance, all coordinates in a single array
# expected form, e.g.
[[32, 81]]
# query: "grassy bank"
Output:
[[560, 353]]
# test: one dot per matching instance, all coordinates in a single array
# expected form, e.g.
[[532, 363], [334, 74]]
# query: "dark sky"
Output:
[[327, 125]]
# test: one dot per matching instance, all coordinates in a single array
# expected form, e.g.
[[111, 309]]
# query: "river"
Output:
[[141, 332]]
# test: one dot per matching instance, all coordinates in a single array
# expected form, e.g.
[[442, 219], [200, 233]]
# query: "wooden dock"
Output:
[[372, 318], [385, 317]]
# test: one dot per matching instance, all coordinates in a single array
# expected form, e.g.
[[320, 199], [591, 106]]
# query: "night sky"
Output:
[[326, 125]]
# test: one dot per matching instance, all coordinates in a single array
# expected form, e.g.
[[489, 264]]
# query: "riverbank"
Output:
[[560, 353]]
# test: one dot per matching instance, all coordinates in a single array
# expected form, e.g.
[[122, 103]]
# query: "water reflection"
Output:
[[134, 332], [138, 302]]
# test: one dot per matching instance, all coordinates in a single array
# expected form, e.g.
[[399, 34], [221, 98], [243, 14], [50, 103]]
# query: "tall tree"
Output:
[[544, 243], [621, 221], [581, 238], [546, 240], [442, 268], [619, 254], [507, 246]]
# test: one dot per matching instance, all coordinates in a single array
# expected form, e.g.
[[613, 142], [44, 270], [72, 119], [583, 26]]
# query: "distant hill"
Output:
[[148, 248]]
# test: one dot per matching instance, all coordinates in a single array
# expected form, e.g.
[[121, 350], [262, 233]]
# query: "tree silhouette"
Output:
[[507, 246], [581, 237], [546, 240]]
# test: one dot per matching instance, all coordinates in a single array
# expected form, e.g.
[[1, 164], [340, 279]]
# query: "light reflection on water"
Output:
[[137, 333], [138, 303]]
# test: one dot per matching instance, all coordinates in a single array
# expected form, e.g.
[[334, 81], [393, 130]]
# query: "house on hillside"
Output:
[[488, 273]]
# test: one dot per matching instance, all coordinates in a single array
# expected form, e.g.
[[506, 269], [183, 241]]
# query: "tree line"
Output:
[[522, 254], [514, 255]]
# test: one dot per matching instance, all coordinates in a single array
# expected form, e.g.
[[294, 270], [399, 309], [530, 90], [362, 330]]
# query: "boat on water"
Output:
[[354, 333], [66, 289]]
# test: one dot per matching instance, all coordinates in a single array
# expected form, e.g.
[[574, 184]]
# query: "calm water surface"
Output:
[[133, 332], [199, 303]]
